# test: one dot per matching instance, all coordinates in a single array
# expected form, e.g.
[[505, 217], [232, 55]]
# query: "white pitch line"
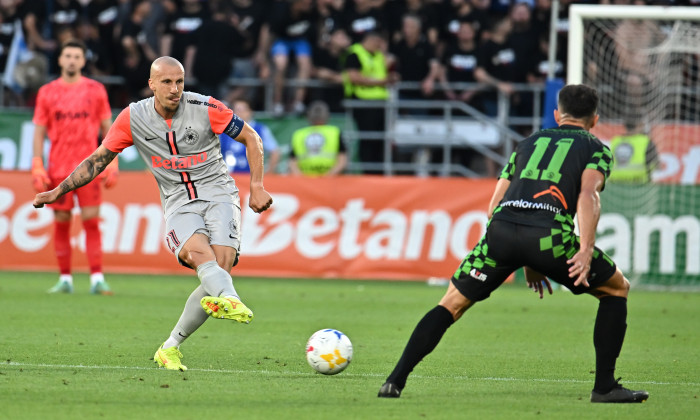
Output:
[[271, 372]]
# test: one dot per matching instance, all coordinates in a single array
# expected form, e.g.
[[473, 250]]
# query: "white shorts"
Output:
[[221, 222]]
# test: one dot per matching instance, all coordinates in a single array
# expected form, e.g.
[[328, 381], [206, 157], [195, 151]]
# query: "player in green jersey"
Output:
[[553, 175]]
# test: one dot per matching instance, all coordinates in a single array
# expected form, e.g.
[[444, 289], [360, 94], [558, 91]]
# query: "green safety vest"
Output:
[[630, 154], [316, 148], [374, 66]]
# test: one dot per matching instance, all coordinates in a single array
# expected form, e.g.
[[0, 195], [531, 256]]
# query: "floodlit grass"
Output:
[[511, 357]]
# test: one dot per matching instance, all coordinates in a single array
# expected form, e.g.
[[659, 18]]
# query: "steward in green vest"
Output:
[[366, 77], [373, 72], [317, 150], [635, 157]]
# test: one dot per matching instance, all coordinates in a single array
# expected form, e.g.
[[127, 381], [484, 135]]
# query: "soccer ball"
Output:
[[329, 351]]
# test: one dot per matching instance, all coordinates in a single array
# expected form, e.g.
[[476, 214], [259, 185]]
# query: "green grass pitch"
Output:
[[511, 357]]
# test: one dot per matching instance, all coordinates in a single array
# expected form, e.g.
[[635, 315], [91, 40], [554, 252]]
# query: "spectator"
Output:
[[9, 12], [496, 64], [416, 60], [328, 67], [137, 53], [367, 76], [98, 58], [427, 15], [538, 68], [104, 14], [293, 26], [249, 19], [360, 17], [33, 18], [213, 61], [542, 15], [181, 31], [330, 14], [524, 41], [452, 14], [235, 153], [459, 64], [317, 150]]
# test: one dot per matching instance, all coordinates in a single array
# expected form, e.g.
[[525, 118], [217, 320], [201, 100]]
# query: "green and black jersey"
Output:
[[545, 173]]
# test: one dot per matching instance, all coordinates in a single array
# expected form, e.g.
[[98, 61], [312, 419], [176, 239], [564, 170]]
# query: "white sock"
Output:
[[215, 280], [96, 278], [171, 342], [191, 319], [66, 277]]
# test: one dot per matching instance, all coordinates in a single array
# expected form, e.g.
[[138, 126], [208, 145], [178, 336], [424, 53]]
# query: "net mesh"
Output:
[[646, 74]]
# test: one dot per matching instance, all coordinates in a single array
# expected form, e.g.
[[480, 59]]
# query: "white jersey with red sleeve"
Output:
[[183, 153]]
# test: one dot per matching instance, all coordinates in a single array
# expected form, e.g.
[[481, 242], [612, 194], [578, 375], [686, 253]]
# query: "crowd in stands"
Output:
[[433, 42]]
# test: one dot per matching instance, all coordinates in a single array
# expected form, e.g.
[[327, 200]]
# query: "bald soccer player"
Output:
[[176, 134]]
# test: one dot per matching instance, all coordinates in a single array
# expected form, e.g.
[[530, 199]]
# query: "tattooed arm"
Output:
[[82, 175]]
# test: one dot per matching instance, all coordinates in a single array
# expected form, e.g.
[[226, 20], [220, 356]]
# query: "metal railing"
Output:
[[448, 113]]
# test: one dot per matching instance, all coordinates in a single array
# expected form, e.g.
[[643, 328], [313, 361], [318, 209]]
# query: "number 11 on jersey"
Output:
[[552, 172]]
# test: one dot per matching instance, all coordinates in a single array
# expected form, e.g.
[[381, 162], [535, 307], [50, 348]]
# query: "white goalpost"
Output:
[[645, 63]]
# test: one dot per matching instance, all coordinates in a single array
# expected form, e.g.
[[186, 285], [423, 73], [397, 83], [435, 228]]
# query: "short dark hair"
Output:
[[578, 101], [73, 43]]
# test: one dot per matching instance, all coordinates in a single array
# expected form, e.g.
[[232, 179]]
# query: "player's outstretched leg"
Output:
[[227, 308], [425, 337]]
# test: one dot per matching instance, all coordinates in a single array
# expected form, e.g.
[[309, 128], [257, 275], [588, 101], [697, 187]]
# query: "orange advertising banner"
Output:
[[678, 147], [347, 227]]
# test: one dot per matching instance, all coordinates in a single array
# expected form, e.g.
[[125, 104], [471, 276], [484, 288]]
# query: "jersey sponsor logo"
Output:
[[198, 102], [178, 162], [478, 274], [61, 115], [191, 136], [523, 204], [556, 193]]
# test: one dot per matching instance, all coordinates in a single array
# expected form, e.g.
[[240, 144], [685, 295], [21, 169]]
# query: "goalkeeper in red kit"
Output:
[[73, 110]]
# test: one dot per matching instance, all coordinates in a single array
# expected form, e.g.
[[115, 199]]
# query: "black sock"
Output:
[[425, 337], [608, 335]]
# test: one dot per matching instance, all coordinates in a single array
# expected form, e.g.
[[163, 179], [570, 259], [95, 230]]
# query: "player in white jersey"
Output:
[[176, 133]]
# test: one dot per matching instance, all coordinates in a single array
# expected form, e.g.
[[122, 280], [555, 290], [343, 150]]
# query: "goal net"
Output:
[[644, 61]]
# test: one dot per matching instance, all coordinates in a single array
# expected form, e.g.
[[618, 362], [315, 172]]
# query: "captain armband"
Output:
[[234, 128]]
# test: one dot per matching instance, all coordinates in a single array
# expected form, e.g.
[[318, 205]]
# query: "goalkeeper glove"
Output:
[[40, 179], [111, 174]]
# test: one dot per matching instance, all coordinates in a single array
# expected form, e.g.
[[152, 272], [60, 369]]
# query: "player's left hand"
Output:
[[260, 200], [536, 281]]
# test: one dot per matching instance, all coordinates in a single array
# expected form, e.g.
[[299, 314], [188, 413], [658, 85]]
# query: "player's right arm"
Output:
[[588, 214], [117, 139], [88, 170]]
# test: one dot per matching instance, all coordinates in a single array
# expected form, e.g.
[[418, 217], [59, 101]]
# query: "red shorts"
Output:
[[88, 195]]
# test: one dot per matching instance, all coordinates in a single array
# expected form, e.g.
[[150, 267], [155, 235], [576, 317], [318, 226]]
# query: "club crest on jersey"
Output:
[[191, 136], [477, 274]]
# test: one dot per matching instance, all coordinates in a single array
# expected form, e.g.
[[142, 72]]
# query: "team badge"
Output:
[[191, 136]]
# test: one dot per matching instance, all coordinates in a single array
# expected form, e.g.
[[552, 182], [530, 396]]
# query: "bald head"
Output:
[[161, 63], [167, 82]]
